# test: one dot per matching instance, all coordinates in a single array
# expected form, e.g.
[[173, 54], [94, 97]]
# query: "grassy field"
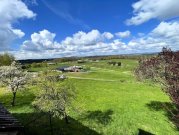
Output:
[[111, 102]]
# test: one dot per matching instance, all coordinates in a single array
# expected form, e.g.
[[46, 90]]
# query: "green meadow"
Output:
[[110, 101]]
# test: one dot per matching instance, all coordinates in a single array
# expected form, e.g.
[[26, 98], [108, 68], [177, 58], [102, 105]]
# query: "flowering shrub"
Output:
[[13, 77], [164, 69]]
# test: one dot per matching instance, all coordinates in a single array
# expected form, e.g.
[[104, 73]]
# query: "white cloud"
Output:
[[10, 12], [167, 30], [143, 45], [82, 38], [165, 34], [43, 45], [108, 35], [144, 10], [124, 34], [18, 32], [90, 38], [44, 40]]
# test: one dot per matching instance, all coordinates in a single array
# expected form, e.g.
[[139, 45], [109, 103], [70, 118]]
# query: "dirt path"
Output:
[[94, 79]]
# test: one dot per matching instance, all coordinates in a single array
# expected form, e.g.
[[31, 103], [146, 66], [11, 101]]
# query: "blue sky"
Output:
[[58, 28], [104, 15]]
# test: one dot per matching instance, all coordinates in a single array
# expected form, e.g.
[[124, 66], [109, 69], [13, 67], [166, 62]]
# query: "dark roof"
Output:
[[7, 121], [62, 68]]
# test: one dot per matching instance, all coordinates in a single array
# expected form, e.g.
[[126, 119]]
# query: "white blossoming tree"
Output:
[[55, 97], [13, 77]]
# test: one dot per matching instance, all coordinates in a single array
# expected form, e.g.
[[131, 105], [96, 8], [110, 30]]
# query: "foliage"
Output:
[[130, 101], [114, 63], [13, 77], [42, 64], [26, 66], [86, 68], [6, 59], [164, 68], [55, 95], [66, 59]]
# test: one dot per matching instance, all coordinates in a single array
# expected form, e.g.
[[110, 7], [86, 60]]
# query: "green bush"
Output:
[[36, 65], [6, 59]]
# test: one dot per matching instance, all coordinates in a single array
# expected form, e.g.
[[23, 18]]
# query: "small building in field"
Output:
[[8, 124], [71, 69]]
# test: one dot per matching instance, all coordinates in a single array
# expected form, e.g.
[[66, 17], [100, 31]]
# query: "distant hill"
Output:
[[29, 61], [99, 57]]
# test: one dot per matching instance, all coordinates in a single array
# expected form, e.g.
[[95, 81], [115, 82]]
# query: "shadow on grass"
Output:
[[168, 108], [143, 132], [23, 98], [161, 106], [99, 117], [38, 124]]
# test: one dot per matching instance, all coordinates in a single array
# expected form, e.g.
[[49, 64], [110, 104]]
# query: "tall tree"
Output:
[[6, 59], [55, 96], [13, 77]]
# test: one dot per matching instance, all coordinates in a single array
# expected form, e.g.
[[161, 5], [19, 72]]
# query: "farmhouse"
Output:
[[8, 124], [70, 69]]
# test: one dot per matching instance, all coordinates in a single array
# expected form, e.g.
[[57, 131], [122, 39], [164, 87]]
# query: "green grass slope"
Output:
[[110, 101]]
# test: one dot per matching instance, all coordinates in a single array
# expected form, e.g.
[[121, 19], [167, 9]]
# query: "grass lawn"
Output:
[[111, 102]]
